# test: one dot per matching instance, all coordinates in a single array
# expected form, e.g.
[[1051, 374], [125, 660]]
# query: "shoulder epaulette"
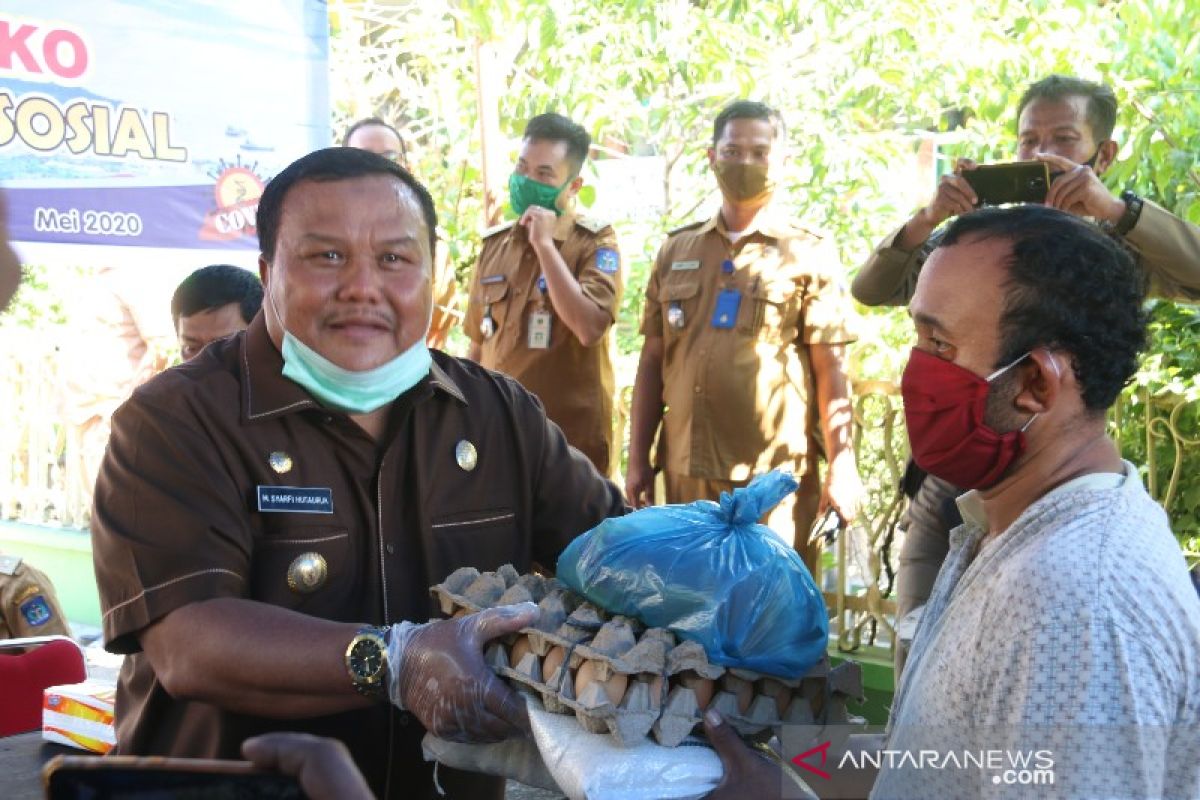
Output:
[[593, 224], [503, 226], [687, 227]]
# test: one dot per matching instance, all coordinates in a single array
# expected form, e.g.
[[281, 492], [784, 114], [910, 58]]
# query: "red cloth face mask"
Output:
[[944, 406]]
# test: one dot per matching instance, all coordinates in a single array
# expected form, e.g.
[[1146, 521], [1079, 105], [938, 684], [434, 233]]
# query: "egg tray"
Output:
[[643, 681]]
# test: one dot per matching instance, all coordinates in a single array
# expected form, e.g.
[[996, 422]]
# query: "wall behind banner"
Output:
[[154, 123]]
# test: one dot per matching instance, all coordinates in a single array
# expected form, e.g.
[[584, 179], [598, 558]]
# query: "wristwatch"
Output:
[[367, 661], [1133, 211]]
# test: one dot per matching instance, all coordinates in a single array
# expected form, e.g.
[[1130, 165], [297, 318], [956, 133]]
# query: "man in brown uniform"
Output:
[[318, 471], [1067, 123], [547, 288], [745, 327], [28, 606]]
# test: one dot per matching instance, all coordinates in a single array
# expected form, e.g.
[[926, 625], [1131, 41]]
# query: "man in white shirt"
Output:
[[1060, 650]]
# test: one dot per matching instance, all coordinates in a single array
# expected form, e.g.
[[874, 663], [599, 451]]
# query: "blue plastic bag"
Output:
[[710, 573]]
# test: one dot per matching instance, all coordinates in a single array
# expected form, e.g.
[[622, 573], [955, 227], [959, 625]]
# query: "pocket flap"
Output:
[[494, 292], [680, 289]]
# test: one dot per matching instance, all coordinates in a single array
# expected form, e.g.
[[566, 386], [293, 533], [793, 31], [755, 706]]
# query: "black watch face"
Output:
[[366, 658]]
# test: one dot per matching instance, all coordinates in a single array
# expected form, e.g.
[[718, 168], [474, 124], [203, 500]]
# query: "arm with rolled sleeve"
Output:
[[889, 275], [1170, 253], [584, 298]]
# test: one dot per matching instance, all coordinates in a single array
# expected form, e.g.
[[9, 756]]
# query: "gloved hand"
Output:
[[438, 675]]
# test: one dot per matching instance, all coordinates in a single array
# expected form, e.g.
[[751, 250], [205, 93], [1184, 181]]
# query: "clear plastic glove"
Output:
[[438, 675]]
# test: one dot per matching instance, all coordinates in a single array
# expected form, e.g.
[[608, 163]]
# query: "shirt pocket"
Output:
[[680, 290], [485, 539], [315, 569], [772, 314], [494, 298]]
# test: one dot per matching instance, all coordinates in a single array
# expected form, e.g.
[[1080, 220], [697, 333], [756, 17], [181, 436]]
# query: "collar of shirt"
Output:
[[564, 225], [970, 505], [767, 222], [266, 393]]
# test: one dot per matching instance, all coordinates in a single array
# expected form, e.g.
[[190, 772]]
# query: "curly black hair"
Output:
[[1070, 287]]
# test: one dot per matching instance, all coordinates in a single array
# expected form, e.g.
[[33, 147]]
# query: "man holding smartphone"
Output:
[[1067, 123]]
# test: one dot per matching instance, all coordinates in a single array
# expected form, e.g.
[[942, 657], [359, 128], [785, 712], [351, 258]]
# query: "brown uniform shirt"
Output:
[[1167, 248], [28, 605], [738, 397], [177, 521], [575, 383]]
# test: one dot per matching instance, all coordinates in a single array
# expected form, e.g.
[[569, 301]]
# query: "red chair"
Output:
[[49, 661]]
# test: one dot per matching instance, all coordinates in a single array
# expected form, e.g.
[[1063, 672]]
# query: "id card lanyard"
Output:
[[725, 311], [538, 335]]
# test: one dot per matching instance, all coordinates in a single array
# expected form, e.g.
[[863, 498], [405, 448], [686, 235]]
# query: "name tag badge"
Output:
[[490, 279], [726, 311], [294, 500], [539, 330], [683, 265]]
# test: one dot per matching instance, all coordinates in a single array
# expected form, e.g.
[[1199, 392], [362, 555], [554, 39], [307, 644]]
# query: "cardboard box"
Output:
[[80, 715]]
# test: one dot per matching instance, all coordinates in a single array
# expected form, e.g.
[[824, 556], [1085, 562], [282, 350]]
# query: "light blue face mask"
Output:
[[352, 391]]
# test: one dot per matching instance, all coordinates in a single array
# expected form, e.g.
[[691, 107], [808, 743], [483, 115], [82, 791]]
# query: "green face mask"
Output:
[[524, 192]]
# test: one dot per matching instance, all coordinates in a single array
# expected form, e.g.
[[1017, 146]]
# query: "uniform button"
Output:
[[391, 549], [518, 290], [696, 389], [328, 420]]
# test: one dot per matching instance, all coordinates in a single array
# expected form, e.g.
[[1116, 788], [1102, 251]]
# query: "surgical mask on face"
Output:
[[745, 183], [351, 391], [524, 192], [944, 407]]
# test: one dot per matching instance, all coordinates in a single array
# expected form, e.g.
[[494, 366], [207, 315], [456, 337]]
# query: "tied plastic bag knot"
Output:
[[711, 574], [747, 505]]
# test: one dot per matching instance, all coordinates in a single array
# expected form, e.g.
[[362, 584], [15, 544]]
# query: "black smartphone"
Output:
[[137, 778], [1017, 182]]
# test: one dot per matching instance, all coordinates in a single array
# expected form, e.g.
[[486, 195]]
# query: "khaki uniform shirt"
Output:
[[737, 399], [200, 449], [28, 605], [575, 383], [1168, 249]]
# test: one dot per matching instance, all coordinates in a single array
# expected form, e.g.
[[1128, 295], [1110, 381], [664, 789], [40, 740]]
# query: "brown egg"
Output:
[[701, 687], [551, 663], [656, 692], [614, 687], [781, 693], [521, 648], [744, 692]]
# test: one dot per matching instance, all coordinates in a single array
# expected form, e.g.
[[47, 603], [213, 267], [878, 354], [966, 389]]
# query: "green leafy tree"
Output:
[[863, 86]]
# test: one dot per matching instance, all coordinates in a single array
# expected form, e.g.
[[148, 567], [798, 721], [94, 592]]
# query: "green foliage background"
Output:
[[860, 83]]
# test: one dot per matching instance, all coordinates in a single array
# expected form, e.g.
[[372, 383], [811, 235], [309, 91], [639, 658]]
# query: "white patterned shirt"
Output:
[[1061, 659]]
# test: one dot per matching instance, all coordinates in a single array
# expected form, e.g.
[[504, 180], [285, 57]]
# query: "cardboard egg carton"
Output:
[[467, 590], [618, 677]]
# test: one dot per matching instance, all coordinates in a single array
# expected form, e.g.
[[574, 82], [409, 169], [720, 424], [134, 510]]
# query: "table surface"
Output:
[[21, 760]]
